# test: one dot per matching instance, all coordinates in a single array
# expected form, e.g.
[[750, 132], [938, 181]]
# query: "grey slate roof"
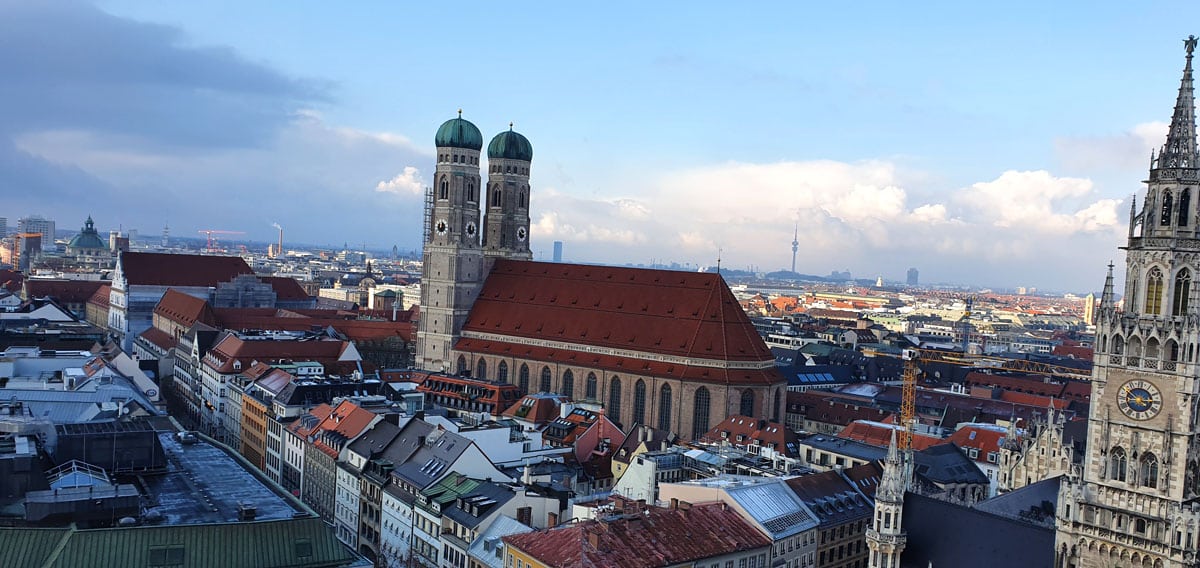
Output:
[[945, 463], [980, 539], [485, 499], [432, 460], [487, 547]]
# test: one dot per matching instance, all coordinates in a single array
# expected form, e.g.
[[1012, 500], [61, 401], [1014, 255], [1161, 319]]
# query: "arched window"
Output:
[[639, 402], [1183, 292], [1118, 345], [1117, 464], [495, 196], [700, 405], [481, 369], [1152, 351], [1171, 350], [778, 404], [1185, 201], [445, 189], [664, 408], [1154, 291], [568, 384], [747, 406], [546, 376], [523, 378], [470, 191], [502, 372], [521, 199], [589, 387], [462, 364], [1134, 347], [1149, 470], [614, 399], [1165, 219]]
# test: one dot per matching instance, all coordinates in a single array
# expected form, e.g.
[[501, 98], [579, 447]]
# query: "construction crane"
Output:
[[212, 240], [908, 399]]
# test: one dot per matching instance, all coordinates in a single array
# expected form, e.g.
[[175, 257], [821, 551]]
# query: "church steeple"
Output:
[[1180, 149], [886, 538], [1106, 297]]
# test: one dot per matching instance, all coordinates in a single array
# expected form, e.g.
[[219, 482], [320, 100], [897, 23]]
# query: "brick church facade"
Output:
[[665, 348]]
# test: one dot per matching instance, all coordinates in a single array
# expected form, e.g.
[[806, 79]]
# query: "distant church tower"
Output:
[[453, 260], [1135, 501], [506, 221], [886, 537]]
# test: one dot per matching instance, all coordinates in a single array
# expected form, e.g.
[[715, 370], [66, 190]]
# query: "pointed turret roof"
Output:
[[891, 485], [1106, 297], [1180, 149]]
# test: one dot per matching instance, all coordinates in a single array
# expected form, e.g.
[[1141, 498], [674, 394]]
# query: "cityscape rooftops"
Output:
[[158, 269]]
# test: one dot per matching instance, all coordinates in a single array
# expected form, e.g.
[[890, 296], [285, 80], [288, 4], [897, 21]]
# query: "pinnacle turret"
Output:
[[1106, 297], [891, 485], [1180, 148]]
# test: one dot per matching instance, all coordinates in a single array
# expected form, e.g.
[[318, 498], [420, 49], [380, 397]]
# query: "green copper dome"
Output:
[[459, 133], [510, 145], [88, 238]]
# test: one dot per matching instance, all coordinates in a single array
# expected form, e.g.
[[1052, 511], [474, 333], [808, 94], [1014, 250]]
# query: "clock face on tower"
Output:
[[1139, 400], [471, 229], [521, 234], [441, 227]]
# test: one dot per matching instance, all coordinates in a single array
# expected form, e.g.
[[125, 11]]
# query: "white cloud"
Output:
[[1125, 151], [408, 182]]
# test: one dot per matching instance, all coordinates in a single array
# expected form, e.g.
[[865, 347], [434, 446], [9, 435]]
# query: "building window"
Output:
[[1117, 464], [546, 376], [614, 399], [664, 408], [444, 193], [1185, 200], [523, 378], [1154, 290], [1149, 470], [462, 364], [568, 384], [700, 405], [1183, 289], [481, 369], [502, 372], [639, 402], [747, 406], [1165, 219], [589, 389]]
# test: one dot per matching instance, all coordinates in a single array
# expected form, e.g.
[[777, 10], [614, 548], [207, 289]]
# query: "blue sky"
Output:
[[986, 145]]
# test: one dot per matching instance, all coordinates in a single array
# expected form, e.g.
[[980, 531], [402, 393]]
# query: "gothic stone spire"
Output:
[[1180, 149]]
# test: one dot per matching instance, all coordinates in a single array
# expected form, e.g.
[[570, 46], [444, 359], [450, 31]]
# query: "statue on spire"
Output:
[[1190, 44]]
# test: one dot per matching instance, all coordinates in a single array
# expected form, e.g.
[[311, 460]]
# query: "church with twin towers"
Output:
[[669, 349]]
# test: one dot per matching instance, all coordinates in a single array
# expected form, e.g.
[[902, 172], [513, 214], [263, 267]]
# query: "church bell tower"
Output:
[[507, 217], [452, 273], [1136, 499]]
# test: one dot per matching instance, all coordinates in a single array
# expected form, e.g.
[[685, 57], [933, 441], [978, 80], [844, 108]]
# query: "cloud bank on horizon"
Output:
[[130, 122]]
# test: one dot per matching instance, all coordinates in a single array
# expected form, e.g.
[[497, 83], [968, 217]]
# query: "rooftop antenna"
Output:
[[718, 261]]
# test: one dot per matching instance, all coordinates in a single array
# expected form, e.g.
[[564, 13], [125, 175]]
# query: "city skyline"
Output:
[[981, 147]]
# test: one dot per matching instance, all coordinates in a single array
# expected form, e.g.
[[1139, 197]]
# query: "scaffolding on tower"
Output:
[[427, 235]]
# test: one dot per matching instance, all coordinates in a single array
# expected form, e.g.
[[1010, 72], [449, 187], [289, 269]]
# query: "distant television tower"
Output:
[[795, 247]]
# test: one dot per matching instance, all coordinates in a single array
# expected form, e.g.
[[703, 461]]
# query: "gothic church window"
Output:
[[462, 364], [523, 378], [568, 384], [664, 408], [1185, 199], [481, 369], [502, 372], [1149, 470], [701, 403], [589, 389], [614, 399], [546, 376], [1152, 351], [1118, 345], [1165, 219], [1154, 291], [1171, 350], [1183, 290], [1117, 464], [747, 403], [639, 402], [445, 189]]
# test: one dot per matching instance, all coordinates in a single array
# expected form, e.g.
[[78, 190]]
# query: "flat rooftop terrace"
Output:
[[207, 485]]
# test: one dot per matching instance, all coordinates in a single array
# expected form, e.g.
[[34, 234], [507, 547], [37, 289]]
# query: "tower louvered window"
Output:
[[1165, 220], [1185, 202]]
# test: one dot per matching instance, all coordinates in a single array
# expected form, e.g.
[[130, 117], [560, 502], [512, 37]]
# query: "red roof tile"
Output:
[[100, 297], [286, 289], [64, 291], [878, 434], [231, 348], [658, 537], [184, 309], [159, 337], [984, 439], [745, 431], [157, 269], [683, 314]]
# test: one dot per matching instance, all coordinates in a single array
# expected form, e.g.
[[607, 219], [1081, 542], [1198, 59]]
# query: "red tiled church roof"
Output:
[[184, 309], [101, 297], [65, 291], [664, 312], [157, 269]]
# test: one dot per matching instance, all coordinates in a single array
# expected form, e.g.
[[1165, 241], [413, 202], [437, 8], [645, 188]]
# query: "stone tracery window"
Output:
[[502, 372], [1149, 470], [701, 403], [639, 402], [589, 391], [614, 399], [1185, 199], [1165, 219], [1154, 292], [546, 376], [568, 384], [1117, 464], [1183, 292], [664, 408]]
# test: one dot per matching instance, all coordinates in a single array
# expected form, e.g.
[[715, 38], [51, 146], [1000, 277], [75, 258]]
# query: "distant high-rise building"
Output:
[[913, 277], [3, 227], [38, 224], [557, 251], [166, 239], [1089, 309]]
